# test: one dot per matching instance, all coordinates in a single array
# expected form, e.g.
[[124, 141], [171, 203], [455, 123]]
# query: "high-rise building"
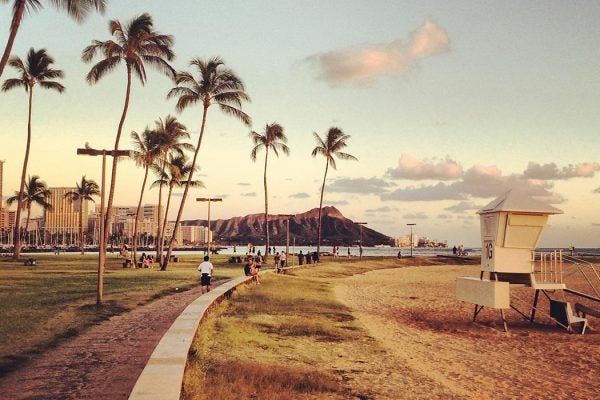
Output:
[[63, 217], [123, 220], [194, 234]]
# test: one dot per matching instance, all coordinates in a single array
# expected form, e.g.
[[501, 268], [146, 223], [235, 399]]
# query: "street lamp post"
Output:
[[360, 249], [102, 249], [411, 237], [208, 200]]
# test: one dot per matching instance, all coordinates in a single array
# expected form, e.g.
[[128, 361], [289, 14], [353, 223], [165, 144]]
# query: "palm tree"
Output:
[[36, 192], [331, 147], [273, 139], [216, 85], [84, 191], [175, 176], [77, 9], [145, 154], [136, 44], [172, 132], [37, 69]]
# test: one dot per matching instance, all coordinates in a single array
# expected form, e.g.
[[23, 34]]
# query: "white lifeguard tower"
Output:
[[511, 227]]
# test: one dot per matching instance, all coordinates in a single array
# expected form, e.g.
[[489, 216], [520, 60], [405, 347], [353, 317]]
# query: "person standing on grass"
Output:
[[300, 258], [205, 269], [283, 259]]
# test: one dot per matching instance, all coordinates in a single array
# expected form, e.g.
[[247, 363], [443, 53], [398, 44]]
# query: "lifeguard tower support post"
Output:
[[511, 227]]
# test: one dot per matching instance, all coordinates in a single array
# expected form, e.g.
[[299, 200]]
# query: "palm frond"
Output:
[[10, 84], [242, 116], [52, 85], [102, 68]]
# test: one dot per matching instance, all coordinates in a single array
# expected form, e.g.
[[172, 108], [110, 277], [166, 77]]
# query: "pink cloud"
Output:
[[552, 172], [410, 167], [360, 64]]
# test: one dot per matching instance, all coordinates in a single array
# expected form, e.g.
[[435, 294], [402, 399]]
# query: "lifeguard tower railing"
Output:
[[547, 266]]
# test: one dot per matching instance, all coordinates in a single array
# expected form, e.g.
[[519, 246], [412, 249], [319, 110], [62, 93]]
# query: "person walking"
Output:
[[283, 260], [300, 258], [206, 269]]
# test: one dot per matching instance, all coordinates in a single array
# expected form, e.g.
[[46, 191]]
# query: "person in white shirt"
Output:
[[205, 269], [283, 259]]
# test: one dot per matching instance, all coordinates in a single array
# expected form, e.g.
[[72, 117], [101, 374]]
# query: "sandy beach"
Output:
[[434, 350]]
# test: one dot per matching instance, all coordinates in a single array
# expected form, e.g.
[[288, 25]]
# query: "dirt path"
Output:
[[104, 362]]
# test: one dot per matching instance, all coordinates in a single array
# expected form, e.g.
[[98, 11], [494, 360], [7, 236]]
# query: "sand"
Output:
[[434, 350]]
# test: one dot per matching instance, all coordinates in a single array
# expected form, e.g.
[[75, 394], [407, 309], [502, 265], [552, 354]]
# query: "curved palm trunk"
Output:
[[185, 192], [113, 177], [159, 238], [14, 27], [266, 206], [164, 226], [81, 238], [320, 208], [17, 236], [137, 213]]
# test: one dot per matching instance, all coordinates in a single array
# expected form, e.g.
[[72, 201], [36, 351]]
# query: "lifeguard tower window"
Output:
[[523, 231]]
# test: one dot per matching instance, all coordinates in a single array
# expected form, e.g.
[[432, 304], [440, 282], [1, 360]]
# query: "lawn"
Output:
[[56, 299], [283, 339]]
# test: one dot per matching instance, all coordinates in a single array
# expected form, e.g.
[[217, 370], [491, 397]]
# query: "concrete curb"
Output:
[[162, 377]]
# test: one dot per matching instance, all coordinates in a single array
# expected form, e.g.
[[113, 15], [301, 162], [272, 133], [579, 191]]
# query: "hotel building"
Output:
[[63, 217]]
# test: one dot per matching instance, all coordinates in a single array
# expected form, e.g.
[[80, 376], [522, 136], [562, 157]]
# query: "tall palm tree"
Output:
[[136, 44], [84, 192], [77, 9], [331, 147], [176, 175], [36, 69], [215, 85], [145, 154], [172, 132], [273, 139], [36, 192]]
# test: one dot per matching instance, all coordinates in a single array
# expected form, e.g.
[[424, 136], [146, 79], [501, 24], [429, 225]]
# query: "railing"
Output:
[[547, 267], [589, 271]]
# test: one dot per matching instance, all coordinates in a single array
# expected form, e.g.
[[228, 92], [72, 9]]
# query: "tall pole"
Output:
[[209, 235], [360, 249], [287, 242], [411, 238], [102, 249], [209, 200]]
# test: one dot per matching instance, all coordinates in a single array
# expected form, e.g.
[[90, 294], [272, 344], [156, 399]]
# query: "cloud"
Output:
[[440, 191], [597, 190], [419, 215], [384, 209], [359, 65], [337, 202], [552, 172], [222, 196], [444, 216], [251, 194], [243, 184], [359, 185], [411, 168], [301, 195], [463, 206]]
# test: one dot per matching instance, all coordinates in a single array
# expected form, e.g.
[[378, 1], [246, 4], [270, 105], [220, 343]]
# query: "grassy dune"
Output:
[[286, 338]]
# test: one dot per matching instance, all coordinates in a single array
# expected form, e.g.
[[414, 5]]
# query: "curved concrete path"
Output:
[[103, 362]]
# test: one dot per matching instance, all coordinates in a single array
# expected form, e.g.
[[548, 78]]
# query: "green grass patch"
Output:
[[55, 300], [282, 339]]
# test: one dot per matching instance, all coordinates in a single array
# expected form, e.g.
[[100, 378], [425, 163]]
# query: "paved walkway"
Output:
[[104, 362]]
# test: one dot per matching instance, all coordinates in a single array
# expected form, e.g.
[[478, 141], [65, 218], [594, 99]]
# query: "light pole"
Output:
[[102, 250], [208, 200], [287, 235], [411, 237], [360, 249]]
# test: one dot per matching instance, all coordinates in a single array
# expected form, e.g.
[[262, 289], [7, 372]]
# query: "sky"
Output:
[[448, 105]]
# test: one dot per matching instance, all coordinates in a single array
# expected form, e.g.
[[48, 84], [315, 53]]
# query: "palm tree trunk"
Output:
[[320, 208], [14, 27], [113, 178], [137, 213], [159, 238], [17, 238], [185, 191], [164, 226], [81, 241], [267, 244]]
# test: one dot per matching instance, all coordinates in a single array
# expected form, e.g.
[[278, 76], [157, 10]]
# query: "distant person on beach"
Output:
[[300, 258], [258, 260], [283, 259], [454, 250], [308, 260], [277, 258], [255, 272], [205, 269], [348, 251], [315, 257], [400, 253]]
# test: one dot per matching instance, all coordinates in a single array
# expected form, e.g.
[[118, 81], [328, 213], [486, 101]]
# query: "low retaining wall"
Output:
[[162, 378]]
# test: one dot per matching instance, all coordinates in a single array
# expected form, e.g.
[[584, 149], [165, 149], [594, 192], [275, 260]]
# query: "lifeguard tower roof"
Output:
[[518, 201]]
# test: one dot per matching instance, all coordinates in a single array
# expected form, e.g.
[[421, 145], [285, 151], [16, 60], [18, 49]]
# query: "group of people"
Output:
[[308, 257], [252, 267], [459, 251]]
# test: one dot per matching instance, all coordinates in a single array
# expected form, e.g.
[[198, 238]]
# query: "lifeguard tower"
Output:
[[511, 227]]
